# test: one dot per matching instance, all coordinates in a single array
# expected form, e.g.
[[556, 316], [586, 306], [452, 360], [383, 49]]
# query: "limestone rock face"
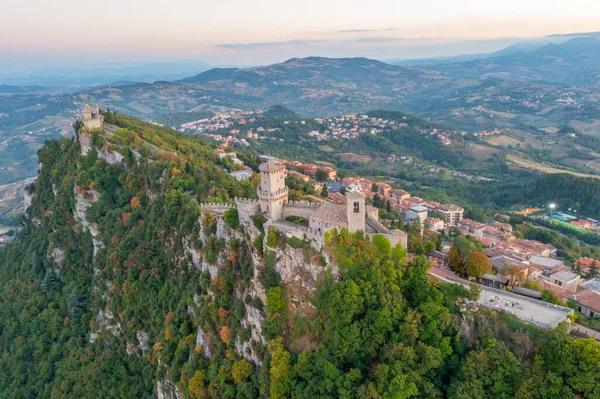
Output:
[[165, 389], [57, 255], [85, 141], [110, 157], [82, 203]]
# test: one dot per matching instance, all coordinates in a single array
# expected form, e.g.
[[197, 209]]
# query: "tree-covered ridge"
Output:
[[112, 315]]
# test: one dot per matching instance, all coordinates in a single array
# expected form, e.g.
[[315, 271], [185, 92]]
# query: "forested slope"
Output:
[[120, 285]]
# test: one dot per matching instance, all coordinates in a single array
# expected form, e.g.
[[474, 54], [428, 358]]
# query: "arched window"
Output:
[[356, 207]]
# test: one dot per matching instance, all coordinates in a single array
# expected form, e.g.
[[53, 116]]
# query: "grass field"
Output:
[[569, 226], [480, 152], [540, 167], [352, 157], [4, 229]]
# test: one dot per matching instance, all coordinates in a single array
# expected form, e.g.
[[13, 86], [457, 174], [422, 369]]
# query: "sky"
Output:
[[254, 32]]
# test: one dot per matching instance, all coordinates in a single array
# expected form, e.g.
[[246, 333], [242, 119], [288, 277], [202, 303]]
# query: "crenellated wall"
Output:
[[215, 207]]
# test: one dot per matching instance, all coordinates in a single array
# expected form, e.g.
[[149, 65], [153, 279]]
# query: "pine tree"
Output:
[[324, 192], [75, 304], [593, 272], [50, 281]]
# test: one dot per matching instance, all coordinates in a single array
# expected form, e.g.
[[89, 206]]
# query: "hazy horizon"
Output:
[[34, 36]]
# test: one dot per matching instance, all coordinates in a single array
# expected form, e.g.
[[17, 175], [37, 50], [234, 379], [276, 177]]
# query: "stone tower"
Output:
[[355, 208], [272, 191], [86, 111]]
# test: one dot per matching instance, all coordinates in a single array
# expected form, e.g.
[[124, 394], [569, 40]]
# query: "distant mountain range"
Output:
[[545, 88], [575, 62]]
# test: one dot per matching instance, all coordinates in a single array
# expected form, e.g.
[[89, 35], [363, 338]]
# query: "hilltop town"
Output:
[[516, 263]]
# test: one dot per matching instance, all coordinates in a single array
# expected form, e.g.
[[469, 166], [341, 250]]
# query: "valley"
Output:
[[300, 200], [322, 87]]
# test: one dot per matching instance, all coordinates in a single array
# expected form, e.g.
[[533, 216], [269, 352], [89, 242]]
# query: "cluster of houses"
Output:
[[405, 159], [487, 133], [350, 126], [219, 121], [518, 261], [442, 136], [243, 171]]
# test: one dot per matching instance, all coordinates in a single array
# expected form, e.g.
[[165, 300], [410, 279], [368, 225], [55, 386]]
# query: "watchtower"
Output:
[[272, 191], [86, 111], [355, 208]]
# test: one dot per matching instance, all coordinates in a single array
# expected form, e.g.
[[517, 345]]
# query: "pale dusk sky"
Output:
[[264, 31]]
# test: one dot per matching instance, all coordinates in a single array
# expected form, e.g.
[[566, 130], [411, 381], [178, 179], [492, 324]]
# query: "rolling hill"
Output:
[[503, 92], [575, 62]]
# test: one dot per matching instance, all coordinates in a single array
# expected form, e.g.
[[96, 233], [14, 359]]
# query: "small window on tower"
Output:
[[356, 207]]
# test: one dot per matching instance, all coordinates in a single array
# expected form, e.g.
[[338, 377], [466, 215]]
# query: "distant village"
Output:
[[344, 127]]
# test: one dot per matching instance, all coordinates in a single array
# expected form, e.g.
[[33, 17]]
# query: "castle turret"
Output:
[[272, 191], [91, 120], [355, 208], [86, 111]]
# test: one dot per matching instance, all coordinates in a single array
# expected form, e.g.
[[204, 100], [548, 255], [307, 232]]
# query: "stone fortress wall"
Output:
[[216, 207], [273, 203], [302, 209]]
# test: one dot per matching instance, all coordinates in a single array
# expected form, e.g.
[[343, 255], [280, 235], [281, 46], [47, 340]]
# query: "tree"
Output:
[[241, 370], [455, 259], [593, 271], [324, 192], [196, 385], [375, 188], [382, 244], [75, 304], [281, 370], [232, 218], [322, 175], [477, 264], [135, 203], [515, 273], [50, 281], [225, 334]]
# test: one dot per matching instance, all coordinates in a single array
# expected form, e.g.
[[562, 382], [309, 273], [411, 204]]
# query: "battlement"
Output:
[[246, 201], [271, 195], [215, 207], [303, 204], [377, 225]]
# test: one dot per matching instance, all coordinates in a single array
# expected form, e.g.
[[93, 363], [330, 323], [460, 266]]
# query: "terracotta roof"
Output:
[[560, 292], [586, 263], [589, 299]]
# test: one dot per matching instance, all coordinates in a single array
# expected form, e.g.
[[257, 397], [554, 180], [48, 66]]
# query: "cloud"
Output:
[[356, 30], [270, 44], [384, 39]]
